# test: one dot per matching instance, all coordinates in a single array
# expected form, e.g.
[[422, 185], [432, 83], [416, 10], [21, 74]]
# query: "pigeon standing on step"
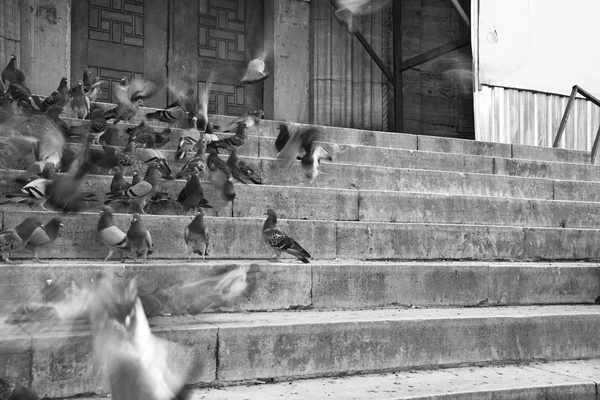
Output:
[[33, 193], [118, 183], [9, 241], [98, 125], [196, 237], [171, 116], [86, 80], [281, 241], [162, 138], [114, 238], [20, 93], [139, 240], [140, 193], [231, 142], [221, 175], [196, 164], [136, 364], [9, 73], [233, 162], [42, 236], [80, 104], [255, 71], [192, 195], [58, 98], [150, 154], [282, 138], [189, 138]]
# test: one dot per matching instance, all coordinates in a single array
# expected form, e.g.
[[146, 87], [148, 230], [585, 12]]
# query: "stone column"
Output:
[[10, 31], [287, 39], [45, 54]]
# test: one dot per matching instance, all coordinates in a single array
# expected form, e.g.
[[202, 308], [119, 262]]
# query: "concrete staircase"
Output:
[[436, 270]]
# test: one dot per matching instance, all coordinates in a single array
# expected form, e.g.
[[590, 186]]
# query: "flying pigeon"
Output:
[[255, 71]]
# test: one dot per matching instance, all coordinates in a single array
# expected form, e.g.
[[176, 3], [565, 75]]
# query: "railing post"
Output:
[[595, 146], [563, 122]]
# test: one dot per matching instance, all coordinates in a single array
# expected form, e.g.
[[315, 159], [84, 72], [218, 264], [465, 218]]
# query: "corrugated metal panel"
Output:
[[518, 116], [347, 86]]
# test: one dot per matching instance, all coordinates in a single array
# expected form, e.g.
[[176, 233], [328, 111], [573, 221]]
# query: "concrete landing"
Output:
[[557, 380]]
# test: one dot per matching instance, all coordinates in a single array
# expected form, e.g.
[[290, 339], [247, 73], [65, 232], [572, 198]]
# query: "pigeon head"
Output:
[[136, 218], [271, 215], [124, 81], [57, 222], [106, 210]]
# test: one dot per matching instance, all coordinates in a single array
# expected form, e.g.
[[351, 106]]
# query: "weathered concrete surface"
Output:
[[298, 203], [577, 190], [15, 352], [462, 146], [278, 286], [370, 241], [476, 210], [347, 176], [550, 154], [561, 244], [572, 380], [540, 283], [278, 345], [235, 238], [311, 343], [346, 285], [546, 169]]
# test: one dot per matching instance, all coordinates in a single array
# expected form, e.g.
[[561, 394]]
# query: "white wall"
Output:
[[545, 45]]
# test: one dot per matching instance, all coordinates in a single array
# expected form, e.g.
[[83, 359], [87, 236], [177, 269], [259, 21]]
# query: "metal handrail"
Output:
[[563, 123]]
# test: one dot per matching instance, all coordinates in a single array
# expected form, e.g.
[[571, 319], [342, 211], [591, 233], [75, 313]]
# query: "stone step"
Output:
[[339, 284], [552, 380], [237, 348], [517, 163], [356, 205], [268, 128], [240, 238]]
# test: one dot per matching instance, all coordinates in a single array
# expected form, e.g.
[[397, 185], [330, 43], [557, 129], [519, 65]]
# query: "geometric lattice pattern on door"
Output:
[[222, 29], [224, 99], [117, 21], [110, 78]]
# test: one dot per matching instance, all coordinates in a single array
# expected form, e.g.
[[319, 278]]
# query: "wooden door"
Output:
[[117, 38], [213, 40]]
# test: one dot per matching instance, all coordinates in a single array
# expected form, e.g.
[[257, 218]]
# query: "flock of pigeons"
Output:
[[55, 171]]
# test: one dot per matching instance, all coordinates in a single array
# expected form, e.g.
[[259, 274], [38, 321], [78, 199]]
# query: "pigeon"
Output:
[[187, 100], [281, 241], [249, 172], [305, 139], [33, 193], [139, 240], [42, 237], [114, 238], [196, 237], [253, 118], [199, 119], [9, 241], [255, 71], [136, 364], [232, 162], [97, 125], [9, 73], [129, 97], [118, 183], [149, 154], [95, 89], [63, 192], [189, 138], [221, 175], [196, 164], [136, 178], [170, 115], [231, 142], [47, 144], [80, 104], [348, 10], [192, 195], [58, 98], [162, 138], [20, 93], [282, 138], [110, 156], [141, 192]]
